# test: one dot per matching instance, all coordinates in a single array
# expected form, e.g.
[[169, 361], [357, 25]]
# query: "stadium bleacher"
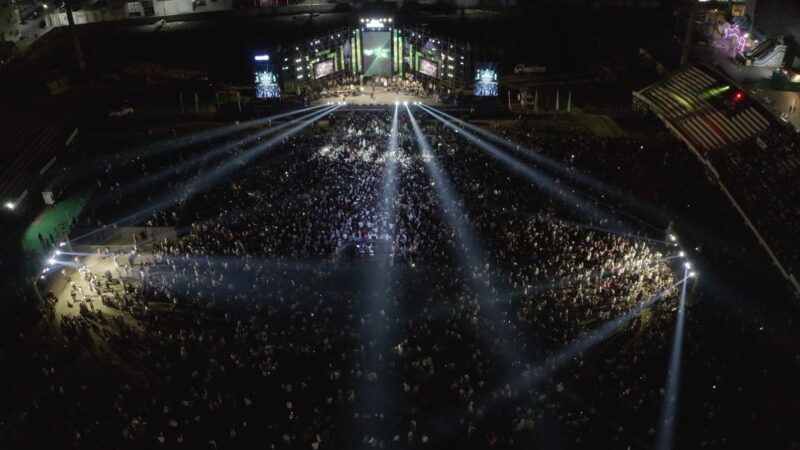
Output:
[[27, 146], [754, 158], [682, 101]]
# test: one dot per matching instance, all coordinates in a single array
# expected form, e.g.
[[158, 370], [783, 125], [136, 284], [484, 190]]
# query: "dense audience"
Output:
[[258, 325], [770, 164]]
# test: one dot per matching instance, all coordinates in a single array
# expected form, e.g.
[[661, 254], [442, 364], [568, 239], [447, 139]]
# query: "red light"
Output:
[[738, 97]]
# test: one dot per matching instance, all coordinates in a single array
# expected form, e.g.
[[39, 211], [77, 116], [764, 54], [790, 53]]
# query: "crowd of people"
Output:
[[262, 325], [767, 167]]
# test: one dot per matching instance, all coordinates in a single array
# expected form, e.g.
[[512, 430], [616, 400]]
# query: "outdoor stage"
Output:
[[382, 97]]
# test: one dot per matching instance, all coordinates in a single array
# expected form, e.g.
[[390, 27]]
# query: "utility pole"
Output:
[[569, 102], [74, 35], [687, 40], [556, 100]]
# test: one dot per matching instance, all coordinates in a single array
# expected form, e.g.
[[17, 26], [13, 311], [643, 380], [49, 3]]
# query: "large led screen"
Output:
[[267, 85], [323, 68], [377, 53], [427, 67], [486, 80]]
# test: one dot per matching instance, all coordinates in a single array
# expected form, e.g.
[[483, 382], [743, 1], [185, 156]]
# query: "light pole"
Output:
[[687, 40], [74, 35]]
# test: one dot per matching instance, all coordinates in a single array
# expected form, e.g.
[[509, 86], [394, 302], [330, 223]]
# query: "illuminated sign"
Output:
[[733, 32], [380, 52], [376, 23], [261, 58]]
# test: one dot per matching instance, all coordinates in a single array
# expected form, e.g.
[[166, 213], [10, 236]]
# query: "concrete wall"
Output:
[[175, 7], [84, 17], [9, 21], [25, 35], [123, 236], [162, 9]]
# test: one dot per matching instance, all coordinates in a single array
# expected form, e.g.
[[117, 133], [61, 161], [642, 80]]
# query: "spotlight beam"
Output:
[[608, 190], [377, 396], [590, 339], [206, 181], [473, 259], [552, 364], [626, 234], [555, 362], [240, 261], [177, 143], [389, 187], [139, 184], [552, 164], [183, 280], [234, 216], [469, 249], [544, 182], [201, 184], [569, 281], [75, 253], [472, 262], [238, 269], [669, 407], [60, 263]]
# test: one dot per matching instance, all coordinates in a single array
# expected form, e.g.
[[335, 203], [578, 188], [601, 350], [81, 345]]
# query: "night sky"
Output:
[[778, 17]]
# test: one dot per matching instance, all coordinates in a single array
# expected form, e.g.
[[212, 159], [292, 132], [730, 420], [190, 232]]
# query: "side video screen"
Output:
[[428, 68], [267, 85], [486, 80], [323, 68]]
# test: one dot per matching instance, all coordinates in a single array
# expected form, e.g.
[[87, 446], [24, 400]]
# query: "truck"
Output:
[[529, 68]]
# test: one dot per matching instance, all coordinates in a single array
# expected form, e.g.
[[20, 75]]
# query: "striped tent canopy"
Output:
[[684, 101]]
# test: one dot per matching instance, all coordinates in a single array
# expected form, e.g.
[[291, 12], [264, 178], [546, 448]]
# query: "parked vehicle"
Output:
[[124, 111], [529, 68]]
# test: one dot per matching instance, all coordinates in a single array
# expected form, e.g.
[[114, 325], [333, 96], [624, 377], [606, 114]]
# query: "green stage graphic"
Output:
[[377, 53]]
